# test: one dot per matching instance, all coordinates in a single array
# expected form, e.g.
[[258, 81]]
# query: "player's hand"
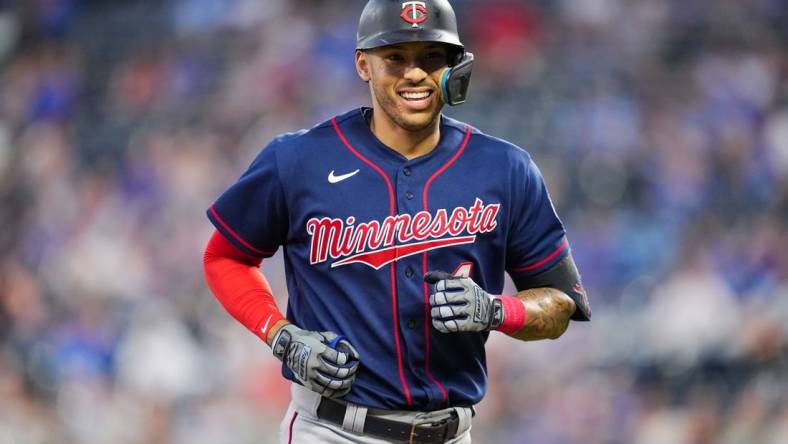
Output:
[[318, 363], [458, 304]]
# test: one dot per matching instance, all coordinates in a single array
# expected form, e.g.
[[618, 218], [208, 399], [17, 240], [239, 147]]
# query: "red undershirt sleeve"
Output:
[[235, 279]]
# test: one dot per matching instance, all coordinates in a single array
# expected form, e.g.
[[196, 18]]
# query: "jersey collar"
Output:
[[360, 134]]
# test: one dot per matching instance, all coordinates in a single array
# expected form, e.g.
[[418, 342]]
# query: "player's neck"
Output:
[[410, 144]]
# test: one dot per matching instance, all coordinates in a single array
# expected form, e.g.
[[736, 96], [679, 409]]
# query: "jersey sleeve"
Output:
[[537, 239], [252, 213]]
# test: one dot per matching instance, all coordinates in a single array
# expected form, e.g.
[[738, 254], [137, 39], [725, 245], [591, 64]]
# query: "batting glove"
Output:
[[319, 362], [457, 304]]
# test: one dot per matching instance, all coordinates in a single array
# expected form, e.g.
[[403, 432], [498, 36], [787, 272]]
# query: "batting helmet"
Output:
[[389, 22]]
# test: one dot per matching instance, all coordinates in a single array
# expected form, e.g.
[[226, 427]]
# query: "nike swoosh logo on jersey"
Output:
[[335, 179]]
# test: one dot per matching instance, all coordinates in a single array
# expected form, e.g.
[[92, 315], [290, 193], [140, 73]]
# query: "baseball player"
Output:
[[397, 224]]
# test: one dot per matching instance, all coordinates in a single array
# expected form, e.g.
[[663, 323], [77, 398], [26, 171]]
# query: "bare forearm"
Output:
[[548, 311]]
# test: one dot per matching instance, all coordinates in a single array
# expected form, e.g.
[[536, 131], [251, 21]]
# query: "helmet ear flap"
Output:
[[455, 80]]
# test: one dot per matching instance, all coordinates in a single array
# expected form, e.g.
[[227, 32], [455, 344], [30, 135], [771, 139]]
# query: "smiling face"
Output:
[[404, 81]]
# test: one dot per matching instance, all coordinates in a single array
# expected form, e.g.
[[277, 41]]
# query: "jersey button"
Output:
[[409, 272], [409, 195], [406, 171], [412, 324]]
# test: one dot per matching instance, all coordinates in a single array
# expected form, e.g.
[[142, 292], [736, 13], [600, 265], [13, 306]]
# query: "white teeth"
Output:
[[415, 95]]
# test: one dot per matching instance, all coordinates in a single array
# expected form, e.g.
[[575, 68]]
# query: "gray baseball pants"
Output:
[[301, 425]]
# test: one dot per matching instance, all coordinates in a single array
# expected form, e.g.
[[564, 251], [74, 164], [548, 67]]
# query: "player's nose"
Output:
[[415, 74]]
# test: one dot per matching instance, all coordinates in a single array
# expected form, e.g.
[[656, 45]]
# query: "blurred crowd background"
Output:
[[661, 127]]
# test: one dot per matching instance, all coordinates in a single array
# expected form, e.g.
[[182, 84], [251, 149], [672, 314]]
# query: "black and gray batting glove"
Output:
[[319, 367], [458, 304]]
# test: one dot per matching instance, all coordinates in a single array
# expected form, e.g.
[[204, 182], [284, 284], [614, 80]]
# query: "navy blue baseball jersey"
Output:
[[360, 224]]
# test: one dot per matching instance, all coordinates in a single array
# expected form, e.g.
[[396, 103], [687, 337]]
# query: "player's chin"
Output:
[[416, 120]]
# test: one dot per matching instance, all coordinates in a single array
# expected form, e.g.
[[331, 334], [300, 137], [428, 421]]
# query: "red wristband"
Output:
[[514, 315]]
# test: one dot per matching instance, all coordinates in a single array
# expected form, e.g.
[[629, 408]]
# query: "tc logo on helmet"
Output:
[[414, 12]]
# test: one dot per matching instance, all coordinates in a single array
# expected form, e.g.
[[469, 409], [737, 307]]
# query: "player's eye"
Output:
[[395, 58], [434, 60]]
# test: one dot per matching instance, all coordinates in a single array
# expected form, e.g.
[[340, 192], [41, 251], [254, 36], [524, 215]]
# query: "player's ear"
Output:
[[362, 65]]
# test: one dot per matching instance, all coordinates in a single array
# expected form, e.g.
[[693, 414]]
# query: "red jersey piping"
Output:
[[394, 304]]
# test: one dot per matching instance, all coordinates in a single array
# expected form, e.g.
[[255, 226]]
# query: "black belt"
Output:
[[430, 433]]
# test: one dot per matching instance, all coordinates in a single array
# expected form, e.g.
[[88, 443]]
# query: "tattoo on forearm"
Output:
[[548, 312]]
